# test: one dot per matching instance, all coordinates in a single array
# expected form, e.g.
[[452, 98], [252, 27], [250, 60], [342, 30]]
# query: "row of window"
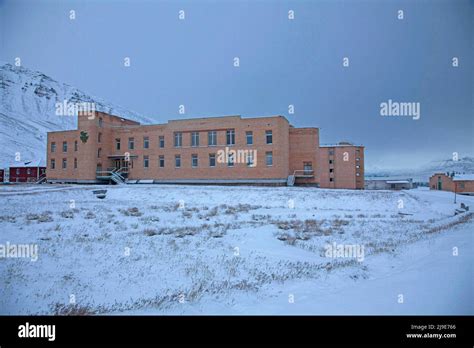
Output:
[[63, 164], [195, 139], [53, 146], [178, 140], [177, 161], [212, 160]]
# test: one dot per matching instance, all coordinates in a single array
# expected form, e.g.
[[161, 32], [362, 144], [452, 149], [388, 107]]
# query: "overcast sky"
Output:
[[282, 62]]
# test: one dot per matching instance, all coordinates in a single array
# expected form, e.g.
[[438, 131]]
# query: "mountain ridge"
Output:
[[28, 111]]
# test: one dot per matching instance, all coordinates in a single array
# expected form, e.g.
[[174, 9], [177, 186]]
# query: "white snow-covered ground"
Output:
[[152, 249]]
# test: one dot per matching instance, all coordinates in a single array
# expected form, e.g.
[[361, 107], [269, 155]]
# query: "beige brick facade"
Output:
[[203, 147]]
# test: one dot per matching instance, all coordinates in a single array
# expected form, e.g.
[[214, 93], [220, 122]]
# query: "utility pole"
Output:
[[455, 191]]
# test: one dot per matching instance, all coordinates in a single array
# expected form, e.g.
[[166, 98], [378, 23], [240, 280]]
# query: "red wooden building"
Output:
[[30, 171], [1, 175]]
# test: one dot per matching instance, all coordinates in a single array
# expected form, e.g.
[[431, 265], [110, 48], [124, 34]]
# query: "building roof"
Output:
[[398, 182], [226, 116], [463, 177], [341, 144], [26, 164]]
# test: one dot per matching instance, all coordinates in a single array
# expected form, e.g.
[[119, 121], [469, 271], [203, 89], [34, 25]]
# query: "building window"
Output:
[[194, 160], [461, 185], [99, 152], [357, 159], [17, 171], [230, 159], [357, 166], [146, 161], [331, 170], [53, 164], [357, 174], [269, 136], [269, 158], [195, 139], [308, 168], [177, 161], [28, 171], [162, 161], [178, 139], [250, 159], [230, 137], [64, 163], [331, 161], [331, 152], [146, 142], [99, 137], [117, 144], [64, 146], [212, 138], [75, 145], [212, 160], [249, 136], [331, 179], [53, 147], [75, 163], [162, 141], [100, 122], [131, 143]]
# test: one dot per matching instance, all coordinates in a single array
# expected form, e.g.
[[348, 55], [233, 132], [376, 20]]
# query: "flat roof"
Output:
[[226, 116], [463, 177], [341, 145]]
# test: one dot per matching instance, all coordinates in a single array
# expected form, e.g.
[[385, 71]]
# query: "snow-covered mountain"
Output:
[[464, 165], [28, 111]]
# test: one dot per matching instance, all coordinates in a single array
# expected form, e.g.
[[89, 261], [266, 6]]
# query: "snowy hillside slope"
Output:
[[27, 111], [464, 165]]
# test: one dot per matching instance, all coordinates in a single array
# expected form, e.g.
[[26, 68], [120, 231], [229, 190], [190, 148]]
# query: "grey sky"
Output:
[[282, 62]]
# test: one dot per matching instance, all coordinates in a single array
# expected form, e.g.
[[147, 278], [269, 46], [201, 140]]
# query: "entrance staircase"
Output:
[[299, 174], [113, 175]]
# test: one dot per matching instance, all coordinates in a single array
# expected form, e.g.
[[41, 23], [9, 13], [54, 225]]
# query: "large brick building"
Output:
[[225, 150]]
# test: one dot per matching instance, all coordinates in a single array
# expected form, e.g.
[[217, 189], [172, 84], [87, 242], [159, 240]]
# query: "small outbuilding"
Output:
[[27, 172], [383, 183], [459, 183]]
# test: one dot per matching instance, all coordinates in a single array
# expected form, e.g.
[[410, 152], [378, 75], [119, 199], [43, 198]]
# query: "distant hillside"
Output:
[[464, 165], [27, 111]]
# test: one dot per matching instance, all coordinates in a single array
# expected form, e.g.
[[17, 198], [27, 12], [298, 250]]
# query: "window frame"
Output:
[[269, 133], [213, 157], [194, 139], [176, 158], [230, 137], [212, 135], [194, 157], [178, 139], [247, 134], [267, 153]]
